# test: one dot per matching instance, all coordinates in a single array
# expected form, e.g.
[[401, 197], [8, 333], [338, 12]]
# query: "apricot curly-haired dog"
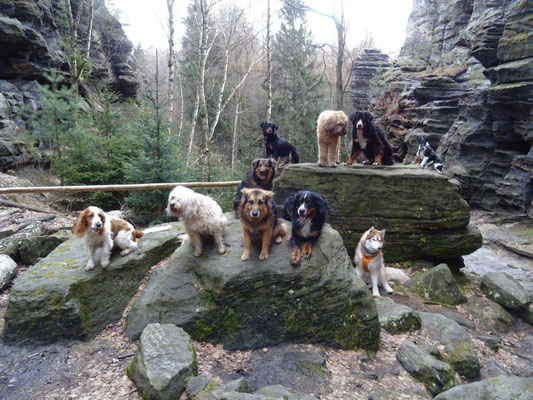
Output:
[[201, 215], [103, 230], [330, 126], [259, 221]]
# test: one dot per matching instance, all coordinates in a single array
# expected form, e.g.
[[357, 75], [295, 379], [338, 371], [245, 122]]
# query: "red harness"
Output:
[[366, 259]]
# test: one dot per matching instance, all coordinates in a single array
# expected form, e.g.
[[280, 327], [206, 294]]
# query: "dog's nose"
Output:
[[301, 211], [98, 224], [255, 213], [359, 125]]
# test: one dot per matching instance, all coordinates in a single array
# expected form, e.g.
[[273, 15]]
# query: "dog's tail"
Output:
[[397, 275], [295, 157], [137, 234]]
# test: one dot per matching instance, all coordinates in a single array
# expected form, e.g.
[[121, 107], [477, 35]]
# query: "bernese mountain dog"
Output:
[[369, 140], [307, 210], [276, 147]]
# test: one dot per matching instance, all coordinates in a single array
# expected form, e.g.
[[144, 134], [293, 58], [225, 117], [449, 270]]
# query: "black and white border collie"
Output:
[[426, 156], [307, 211]]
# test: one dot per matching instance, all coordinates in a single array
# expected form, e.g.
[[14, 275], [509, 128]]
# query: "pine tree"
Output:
[[297, 98]]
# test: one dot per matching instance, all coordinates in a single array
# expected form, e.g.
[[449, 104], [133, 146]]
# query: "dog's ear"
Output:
[[275, 126], [289, 204], [191, 209], [246, 191], [82, 223], [369, 116], [244, 198], [331, 123], [382, 233], [352, 117], [262, 125], [255, 163], [268, 194], [272, 163]]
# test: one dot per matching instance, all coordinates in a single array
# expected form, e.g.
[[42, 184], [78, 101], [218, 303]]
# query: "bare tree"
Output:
[[193, 127], [182, 108], [89, 35], [170, 91], [269, 66], [235, 139]]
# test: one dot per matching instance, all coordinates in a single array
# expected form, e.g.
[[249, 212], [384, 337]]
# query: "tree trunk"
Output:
[[202, 105], [180, 128], [193, 127], [235, 142], [269, 66], [89, 30], [170, 93]]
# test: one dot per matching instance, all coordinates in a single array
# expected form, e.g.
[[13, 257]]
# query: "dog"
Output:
[[307, 211], [426, 156], [101, 230], [261, 176], [259, 221], [368, 259], [276, 147], [201, 215], [329, 127], [370, 140]]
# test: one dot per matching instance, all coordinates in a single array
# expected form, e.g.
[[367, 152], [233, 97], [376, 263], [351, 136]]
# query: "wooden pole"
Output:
[[114, 188]]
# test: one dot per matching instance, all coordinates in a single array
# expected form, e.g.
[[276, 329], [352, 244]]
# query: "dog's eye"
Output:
[[91, 215], [260, 202], [251, 202]]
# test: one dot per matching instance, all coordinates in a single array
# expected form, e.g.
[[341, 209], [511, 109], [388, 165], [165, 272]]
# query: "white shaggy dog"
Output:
[[201, 215], [105, 231]]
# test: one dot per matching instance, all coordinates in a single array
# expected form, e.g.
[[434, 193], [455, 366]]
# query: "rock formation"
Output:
[[365, 67], [33, 42], [422, 211], [56, 298], [465, 79], [252, 304]]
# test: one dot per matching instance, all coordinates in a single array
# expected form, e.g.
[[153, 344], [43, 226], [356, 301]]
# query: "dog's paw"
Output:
[[376, 295], [245, 256], [321, 165], [89, 267], [221, 249], [389, 290], [263, 256], [306, 254], [197, 253], [104, 264], [278, 239], [376, 163], [333, 166], [125, 252], [295, 261]]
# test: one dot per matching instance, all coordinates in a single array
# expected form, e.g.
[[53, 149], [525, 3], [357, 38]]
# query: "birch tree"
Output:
[[269, 67], [170, 90]]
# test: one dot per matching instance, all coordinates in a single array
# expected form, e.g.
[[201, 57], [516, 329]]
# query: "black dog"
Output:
[[277, 147], [261, 177], [370, 140], [426, 156], [307, 211]]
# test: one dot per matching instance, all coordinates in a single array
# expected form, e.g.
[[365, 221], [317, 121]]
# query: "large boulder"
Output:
[[396, 318], [256, 303], [12, 245], [458, 348], [56, 298], [497, 388], [436, 375], [423, 212], [164, 362], [505, 290], [36, 247], [437, 285]]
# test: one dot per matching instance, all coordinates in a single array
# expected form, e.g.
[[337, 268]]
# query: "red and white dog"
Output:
[[103, 230]]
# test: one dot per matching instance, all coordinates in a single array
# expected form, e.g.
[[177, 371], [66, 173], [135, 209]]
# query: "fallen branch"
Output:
[[126, 356], [17, 205], [8, 214], [47, 217]]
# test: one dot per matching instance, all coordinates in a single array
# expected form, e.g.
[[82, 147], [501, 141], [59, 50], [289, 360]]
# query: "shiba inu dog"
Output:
[[369, 260]]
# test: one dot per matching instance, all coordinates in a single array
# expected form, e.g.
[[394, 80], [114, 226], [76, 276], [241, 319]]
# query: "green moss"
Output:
[[230, 324], [56, 302], [129, 370], [463, 360]]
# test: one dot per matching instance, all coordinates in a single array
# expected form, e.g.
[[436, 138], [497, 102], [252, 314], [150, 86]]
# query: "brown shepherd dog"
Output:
[[261, 176], [259, 221]]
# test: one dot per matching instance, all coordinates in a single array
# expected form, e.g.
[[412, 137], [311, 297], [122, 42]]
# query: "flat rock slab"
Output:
[[251, 304], [458, 346], [56, 298], [423, 211], [505, 290], [8, 270], [436, 375], [497, 388], [163, 363], [437, 285], [36, 247], [396, 318], [12, 245]]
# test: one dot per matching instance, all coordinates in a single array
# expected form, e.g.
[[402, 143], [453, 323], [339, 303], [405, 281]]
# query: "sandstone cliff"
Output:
[[465, 79], [33, 42]]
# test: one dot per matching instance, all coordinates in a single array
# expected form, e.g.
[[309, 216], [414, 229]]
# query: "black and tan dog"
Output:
[[307, 211], [261, 176], [259, 221], [276, 147], [369, 140]]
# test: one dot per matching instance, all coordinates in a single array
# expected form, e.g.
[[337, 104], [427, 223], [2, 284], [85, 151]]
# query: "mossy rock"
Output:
[[437, 285], [251, 304], [56, 298], [423, 211], [396, 318], [497, 388]]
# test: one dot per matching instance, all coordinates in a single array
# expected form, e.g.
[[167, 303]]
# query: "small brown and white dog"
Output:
[[369, 260], [259, 221], [331, 125], [101, 230], [202, 216]]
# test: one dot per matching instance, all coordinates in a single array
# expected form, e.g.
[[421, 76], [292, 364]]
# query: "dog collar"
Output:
[[367, 258]]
